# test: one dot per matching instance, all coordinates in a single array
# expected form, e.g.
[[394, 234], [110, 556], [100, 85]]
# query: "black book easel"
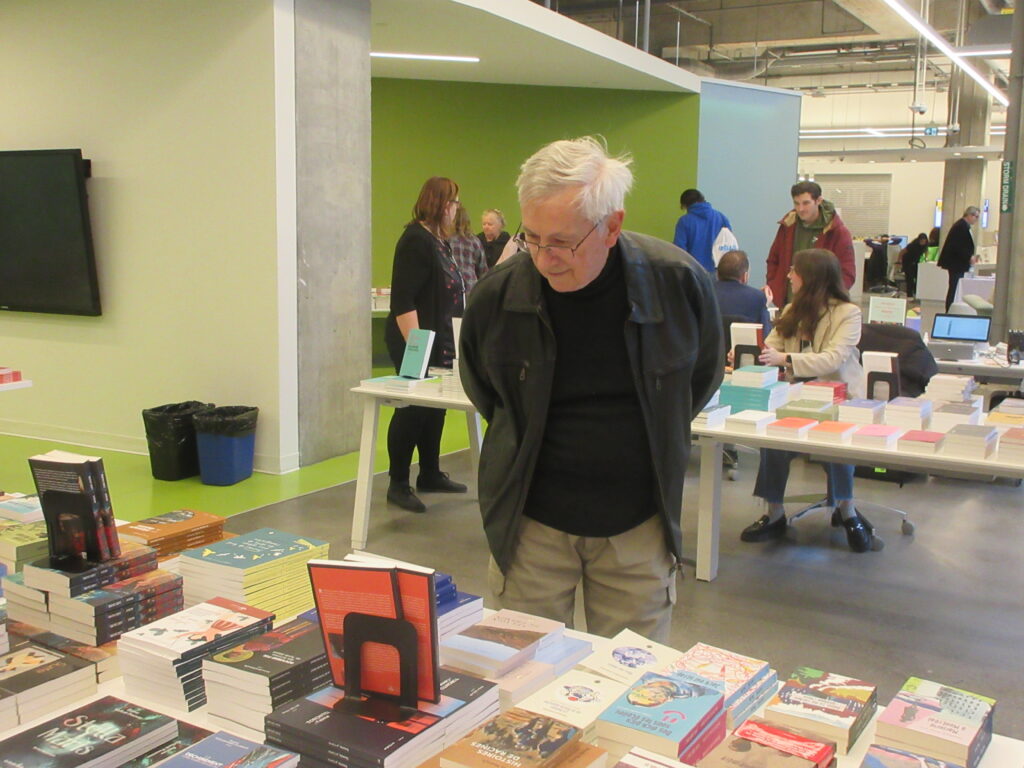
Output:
[[70, 530], [362, 628], [745, 349]]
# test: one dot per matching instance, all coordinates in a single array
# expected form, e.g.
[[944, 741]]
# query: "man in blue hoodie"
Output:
[[697, 229]]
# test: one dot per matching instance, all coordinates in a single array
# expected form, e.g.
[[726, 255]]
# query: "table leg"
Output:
[[709, 507], [476, 437], [364, 477]]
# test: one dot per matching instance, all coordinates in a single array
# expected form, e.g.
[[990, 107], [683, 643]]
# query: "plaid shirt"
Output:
[[470, 258]]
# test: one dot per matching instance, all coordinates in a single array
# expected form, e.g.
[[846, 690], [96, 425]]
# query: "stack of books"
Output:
[[628, 655], [760, 743], [909, 412], [25, 603], [326, 731], [877, 436], [644, 758], [755, 376], [499, 643], [21, 543], [163, 661], [766, 398], [923, 441], [265, 569], [578, 697], [105, 732], [945, 416], [1010, 412], [950, 387], [39, 680], [827, 391], [174, 531], [402, 383], [861, 411], [20, 508], [806, 408], [750, 422], [712, 416], [834, 707], [1011, 445], [971, 441], [791, 427], [247, 682], [840, 432], [187, 735], [749, 682], [552, 662], [937, 721], [221, 750], [450, 379], [103, 657], [520, 738], [9, 375], [5, 639], [103, 615], [134, 560], [675, 713]]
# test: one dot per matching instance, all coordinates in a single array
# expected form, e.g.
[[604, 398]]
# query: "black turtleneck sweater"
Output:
[[594, 475]]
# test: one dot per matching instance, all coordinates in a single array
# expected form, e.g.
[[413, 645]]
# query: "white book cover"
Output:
[[577, 697], [629, 655]]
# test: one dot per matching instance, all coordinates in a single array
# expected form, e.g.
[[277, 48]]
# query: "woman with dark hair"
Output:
[[427, 291], [815, 337], [909, 258]]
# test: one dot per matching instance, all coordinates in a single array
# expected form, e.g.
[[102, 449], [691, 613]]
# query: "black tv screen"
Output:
[[47, 262]]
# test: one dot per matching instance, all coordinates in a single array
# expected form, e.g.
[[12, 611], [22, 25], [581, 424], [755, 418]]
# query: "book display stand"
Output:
[[70, 531], [362, 628], [750, 350]]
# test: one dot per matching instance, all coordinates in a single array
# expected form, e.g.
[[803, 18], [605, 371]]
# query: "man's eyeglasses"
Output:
[[558, 251]]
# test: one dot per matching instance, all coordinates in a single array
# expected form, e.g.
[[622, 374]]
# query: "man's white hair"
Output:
[[603, 181]]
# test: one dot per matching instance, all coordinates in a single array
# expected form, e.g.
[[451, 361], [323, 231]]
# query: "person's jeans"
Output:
[[773, 474], [415, 427], [954, 279]]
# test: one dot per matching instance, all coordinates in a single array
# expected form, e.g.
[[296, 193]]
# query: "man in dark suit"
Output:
[[957, 254], [735, 297]]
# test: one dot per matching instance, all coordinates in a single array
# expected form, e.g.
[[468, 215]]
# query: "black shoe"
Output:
[[837, 520], [764, 530], [439, 483], [858, 534], [401, 495]]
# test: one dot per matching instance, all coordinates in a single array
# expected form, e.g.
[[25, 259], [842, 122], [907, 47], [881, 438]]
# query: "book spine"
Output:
[[96, 544], [109, 530]]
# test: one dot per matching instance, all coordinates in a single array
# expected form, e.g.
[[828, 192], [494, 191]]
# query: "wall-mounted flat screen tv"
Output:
[[47, 263]]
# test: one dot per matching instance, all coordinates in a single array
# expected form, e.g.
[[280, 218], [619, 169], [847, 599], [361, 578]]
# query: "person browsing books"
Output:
[[427, 291], [588, 353], [492, 235], [815, 338]]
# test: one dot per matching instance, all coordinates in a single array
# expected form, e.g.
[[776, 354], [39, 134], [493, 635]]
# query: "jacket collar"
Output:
[[524, 285]]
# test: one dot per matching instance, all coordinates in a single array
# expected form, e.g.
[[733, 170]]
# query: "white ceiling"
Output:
[[517, 41]]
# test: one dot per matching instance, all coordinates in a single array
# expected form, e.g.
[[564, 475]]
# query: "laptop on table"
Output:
[[958, 337]]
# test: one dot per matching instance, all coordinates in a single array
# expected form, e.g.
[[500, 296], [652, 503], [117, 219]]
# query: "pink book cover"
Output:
[[877, 430], [733, 669]]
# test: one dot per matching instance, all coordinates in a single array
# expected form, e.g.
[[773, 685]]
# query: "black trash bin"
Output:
[[226, 437], [171, 436]]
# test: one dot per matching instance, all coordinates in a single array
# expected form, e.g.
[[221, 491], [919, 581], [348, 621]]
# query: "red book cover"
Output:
[[922, 436]]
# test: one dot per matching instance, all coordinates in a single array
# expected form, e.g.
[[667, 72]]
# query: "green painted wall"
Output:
[[479, 134]]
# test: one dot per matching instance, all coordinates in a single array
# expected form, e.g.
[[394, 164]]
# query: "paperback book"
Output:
[[759, 744], [629, 655], [499, 642], [737, 673], [225, 750], [516, 737]]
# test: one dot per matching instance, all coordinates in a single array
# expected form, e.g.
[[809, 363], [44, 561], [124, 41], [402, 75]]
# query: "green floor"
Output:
[[136, 495]]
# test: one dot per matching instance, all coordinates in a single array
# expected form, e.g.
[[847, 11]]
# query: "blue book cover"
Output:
[[259, 548], [222, 749], [416, 359], [670, 708], [890, 757], [461, 599]]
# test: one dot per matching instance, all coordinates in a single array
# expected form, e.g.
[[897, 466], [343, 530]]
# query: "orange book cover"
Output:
[[792, 422]]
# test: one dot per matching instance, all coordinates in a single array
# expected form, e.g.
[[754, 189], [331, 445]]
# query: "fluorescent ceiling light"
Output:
[[992, 51], [424, 57], [940, 42]]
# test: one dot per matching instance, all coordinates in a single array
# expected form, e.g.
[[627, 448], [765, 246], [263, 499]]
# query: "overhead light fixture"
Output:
[[912, 18], [990, 52], [424, 57]]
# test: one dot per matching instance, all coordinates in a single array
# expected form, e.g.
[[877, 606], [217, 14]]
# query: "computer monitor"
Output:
[[961, 327]]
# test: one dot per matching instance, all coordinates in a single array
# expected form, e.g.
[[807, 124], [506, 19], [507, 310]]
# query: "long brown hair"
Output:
[[822, 280], [432, 204], [462, 225]]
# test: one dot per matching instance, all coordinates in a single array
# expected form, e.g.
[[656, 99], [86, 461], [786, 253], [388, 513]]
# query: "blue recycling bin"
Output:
[[226, 440]]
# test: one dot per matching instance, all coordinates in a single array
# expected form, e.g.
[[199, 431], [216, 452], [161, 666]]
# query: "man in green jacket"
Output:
[[588, 353]]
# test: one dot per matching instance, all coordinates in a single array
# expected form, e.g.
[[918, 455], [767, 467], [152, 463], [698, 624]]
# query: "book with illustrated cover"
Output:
[[225, 750], [878, 756], [188, 735], [629, 655], [416, 358], [938, 720], [738, 673], [664, 712], [578, 697], [107, 731], [341, 588], [20, 542], [835, 707], [516, 737], [118, 594], [499, 642], [176, 523], [251, 553], [759, 744], [273, 655], [73, 578], [21, 508], [32, 670]]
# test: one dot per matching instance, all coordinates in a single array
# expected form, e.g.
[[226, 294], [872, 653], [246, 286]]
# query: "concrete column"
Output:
[[965, 177], [332, 107]]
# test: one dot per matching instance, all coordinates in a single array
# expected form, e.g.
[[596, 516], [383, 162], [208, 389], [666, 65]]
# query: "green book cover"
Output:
[[416, 359]]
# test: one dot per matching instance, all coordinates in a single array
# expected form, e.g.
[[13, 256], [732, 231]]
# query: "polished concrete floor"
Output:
[[944, 604]]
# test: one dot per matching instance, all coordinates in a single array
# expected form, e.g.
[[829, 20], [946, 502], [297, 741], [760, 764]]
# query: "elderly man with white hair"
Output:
[[588, 352]]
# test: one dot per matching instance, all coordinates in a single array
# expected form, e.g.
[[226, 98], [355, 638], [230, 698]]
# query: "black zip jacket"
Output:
[[674, 340]]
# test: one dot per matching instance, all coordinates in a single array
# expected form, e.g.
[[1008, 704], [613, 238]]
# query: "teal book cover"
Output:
[[416, 359], [262, 546]]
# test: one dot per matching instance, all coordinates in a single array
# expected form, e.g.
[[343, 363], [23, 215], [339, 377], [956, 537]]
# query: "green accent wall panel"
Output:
[[478, 134]]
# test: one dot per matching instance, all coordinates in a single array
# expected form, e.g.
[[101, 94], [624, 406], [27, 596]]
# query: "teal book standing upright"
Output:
[[416, 359]]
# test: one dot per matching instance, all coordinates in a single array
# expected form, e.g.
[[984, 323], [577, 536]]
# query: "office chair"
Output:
[[916, 366]]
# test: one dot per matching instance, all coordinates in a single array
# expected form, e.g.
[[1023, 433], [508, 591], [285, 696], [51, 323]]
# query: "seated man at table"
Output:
[[735, 297]]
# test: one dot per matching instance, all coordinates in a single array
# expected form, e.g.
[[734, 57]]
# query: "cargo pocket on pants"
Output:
[[495, 578]]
